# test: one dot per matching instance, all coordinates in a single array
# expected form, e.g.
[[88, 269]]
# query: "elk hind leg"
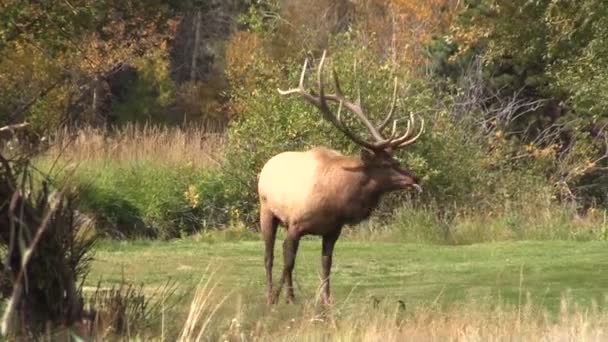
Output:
[[268, 223], [329, 241], [290, 249]]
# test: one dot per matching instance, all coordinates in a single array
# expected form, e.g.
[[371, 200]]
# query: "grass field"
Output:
[[368, 275], [412, 273]]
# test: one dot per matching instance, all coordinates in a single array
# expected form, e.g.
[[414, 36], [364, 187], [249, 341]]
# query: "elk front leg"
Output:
[[268, 225], [290, 249], [329, 241]]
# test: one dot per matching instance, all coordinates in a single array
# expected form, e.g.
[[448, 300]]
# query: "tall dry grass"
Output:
[[467, 323], [197, 145], [213, 315], [471, 321], [474, 320]]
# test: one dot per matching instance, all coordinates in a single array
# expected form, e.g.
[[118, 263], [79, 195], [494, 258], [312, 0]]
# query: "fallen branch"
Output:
[[13, 128]]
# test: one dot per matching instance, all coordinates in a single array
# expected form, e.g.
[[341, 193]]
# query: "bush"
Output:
[[45, 250], [457, 226], [138, 198]]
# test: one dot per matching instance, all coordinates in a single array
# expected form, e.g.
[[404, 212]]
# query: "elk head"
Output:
[[378, 153]]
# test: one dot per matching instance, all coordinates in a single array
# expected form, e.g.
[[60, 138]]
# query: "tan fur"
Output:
[[307, 189]]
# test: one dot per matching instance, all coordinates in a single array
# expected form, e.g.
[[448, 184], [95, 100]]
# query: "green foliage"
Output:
[[551, 50], [516, 221], [152, 92], [556, 47], [219, 199], [137, 199], [254, 18], [56, 56], [578, 53]]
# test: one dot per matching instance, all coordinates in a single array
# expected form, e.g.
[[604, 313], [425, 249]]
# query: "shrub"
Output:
[[150, 94], [458, 226], [45, 252], [137, 198]]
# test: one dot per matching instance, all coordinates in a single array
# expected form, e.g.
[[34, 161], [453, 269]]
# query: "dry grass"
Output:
[[195, 145], [472, 320], [202, 309], [465, 322], [214, 316]]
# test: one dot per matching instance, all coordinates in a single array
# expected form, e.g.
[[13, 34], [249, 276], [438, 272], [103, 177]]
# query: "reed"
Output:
[[196, 145]]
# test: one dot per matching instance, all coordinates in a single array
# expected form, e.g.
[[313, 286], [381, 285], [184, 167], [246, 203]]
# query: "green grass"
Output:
[[416, 274], [131, 199]]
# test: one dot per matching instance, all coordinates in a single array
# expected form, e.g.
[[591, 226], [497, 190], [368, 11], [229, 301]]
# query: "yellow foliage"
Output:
[[404, 26], [247, 63], [242, 52], [192, 196]]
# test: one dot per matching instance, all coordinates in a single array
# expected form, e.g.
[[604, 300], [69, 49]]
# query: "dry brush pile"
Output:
[[46, 251]]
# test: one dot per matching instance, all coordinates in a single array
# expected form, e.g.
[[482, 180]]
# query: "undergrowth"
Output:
[[462, 227], [138, 194]]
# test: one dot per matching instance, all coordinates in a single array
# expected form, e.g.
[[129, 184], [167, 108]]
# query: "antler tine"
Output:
[[357, 109], [300, 88], [337, 121], [389, 116], [301, 84], [320, 101], [410, 122], [380, 142], [394, 130], [412, 140], [326, 112], [405, 139]]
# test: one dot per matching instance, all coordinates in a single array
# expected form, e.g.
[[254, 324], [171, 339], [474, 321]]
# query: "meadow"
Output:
[[381, 291], [535, 272], [132, 137]]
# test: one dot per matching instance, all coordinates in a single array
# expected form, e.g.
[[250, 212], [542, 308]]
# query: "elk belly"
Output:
[[286, 184]]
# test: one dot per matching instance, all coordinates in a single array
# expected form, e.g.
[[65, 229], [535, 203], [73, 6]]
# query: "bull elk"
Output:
[[316, 192]]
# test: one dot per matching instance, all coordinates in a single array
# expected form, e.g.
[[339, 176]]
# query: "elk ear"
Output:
[[367, 156]]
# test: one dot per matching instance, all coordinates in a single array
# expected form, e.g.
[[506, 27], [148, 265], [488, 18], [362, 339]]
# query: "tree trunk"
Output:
[[196, 47]]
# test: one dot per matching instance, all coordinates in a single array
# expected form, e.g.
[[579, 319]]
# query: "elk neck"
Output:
[[361, 197]]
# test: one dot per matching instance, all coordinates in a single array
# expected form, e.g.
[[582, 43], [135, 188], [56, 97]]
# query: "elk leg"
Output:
[[290, 249], [290, 262], [329, 241], [269, 225]]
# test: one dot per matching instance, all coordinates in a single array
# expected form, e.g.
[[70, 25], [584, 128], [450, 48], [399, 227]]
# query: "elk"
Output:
[[317, 192]]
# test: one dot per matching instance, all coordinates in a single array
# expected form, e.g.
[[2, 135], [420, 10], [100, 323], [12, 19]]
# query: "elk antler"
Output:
[[320, 101]]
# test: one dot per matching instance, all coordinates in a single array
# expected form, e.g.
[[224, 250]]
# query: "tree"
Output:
[[57, 56], [554, 51]]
